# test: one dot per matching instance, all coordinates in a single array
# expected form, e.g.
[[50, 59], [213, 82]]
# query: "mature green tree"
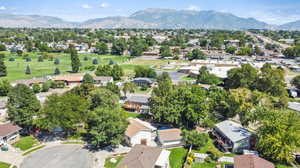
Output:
[[101, 48], [65, 111], [165, 51], [103, 70], [45, 86], [4, 87], [56, 61], [184, 106], [292, 52], [218, 101], [205, 77], [102, 97], [3, 70], [114, 88], [36, 88], [296, 82], [119, 46], [279, 135], [243, 77], [128, 87], [27, 70], [245, 51], [22, 105], [2, 47], [117, 72], [88, 79], [75, 62], [56, 71], [194, 138], [141, 71], [271, 81], [231, 50], [107, 126], [196, 54]]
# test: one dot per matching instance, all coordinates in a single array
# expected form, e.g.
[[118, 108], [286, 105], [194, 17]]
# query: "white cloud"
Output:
[[104, 5], [2, 8], [193, 8], [86, 6]]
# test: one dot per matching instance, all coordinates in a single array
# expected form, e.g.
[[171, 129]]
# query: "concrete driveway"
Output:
[[62, 156]]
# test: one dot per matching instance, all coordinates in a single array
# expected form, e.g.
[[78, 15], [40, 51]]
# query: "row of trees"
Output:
[[95, 109]]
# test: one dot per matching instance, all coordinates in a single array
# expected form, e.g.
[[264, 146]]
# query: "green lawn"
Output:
[[132, 115], [33, 149], [16, 69], [207, 165], [26, 143], [4, 165], [108, 164], [282, 166], [177, 157]]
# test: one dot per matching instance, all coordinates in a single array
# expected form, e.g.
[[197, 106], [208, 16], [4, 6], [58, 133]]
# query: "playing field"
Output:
[[16, 69]]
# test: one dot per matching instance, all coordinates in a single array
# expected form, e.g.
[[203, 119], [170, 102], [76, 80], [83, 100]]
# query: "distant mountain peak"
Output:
[[149, 18]]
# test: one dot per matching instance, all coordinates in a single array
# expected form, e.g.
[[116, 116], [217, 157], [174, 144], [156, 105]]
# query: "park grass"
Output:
[[16, 69], [26, 143], [109, 164], [4, 165], [177, 157]]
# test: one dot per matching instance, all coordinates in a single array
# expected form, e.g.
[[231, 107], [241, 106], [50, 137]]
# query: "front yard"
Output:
[[109, 164], [26, 143], [177, 157]]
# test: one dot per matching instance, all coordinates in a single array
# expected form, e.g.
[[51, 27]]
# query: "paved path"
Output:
[[61, 156]]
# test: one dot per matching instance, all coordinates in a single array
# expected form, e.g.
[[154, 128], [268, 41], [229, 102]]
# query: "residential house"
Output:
[[9, 133], [251, 161], [137, 103], [142, 156], [73, 79], [233, 137], [150, 82], [139, 132], [103, 80], [30, 82], [170, 137]]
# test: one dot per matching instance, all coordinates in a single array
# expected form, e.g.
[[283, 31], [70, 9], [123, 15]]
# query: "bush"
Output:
[[194, 138], [28, 59], [95, 61], [56, 71], [40, 59], [90, 68], [11, 59], [36, 88], [215, 154], [86, 58], [46, 86], [56, 61], [55, 85], [144, 87]]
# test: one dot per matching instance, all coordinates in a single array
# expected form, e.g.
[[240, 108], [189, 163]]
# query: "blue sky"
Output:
[[270, 11]]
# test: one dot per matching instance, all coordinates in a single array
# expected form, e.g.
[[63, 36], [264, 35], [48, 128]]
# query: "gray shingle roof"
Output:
[[233, 131]]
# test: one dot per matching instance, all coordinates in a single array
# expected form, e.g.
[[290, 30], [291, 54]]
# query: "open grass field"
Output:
[[16, 69], [26, 143]]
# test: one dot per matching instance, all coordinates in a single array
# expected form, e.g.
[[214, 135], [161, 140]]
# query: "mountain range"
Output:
[[149, 18]]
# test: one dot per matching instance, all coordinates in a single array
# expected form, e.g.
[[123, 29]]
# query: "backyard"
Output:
[[177, 157]]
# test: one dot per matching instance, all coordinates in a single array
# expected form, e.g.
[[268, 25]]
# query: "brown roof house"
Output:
[[142, 156], [103, 80], [139, 132], [251, 161], [71, 79], [9, 133], [170, 137]]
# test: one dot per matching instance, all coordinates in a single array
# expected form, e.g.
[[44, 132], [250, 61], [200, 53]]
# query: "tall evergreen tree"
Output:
[[75, 62], [3, 71], [28, 70]]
